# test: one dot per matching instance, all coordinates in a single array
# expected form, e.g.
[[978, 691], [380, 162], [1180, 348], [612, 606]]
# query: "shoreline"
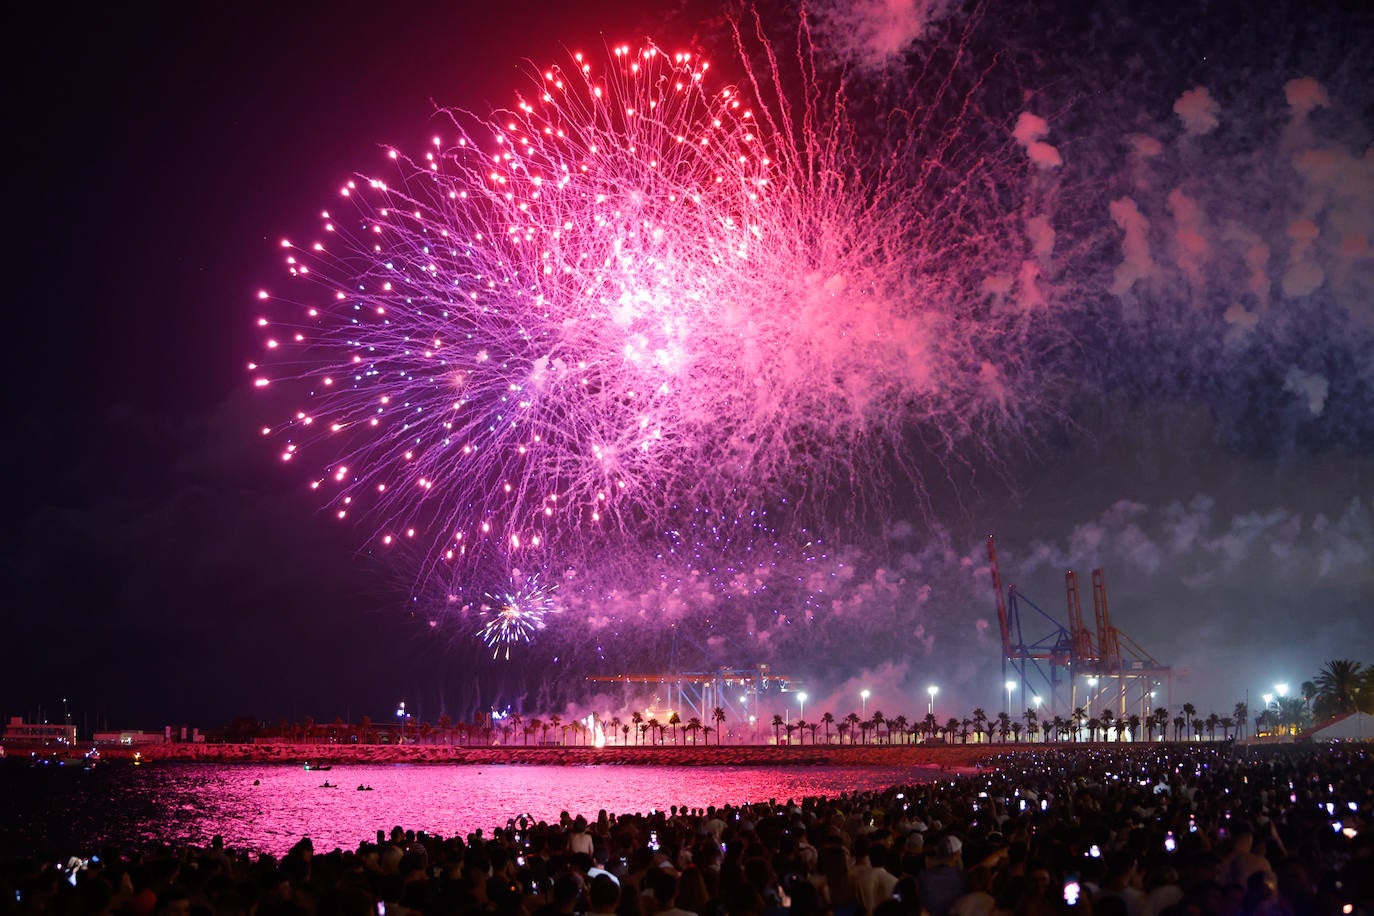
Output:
[[953, 758]]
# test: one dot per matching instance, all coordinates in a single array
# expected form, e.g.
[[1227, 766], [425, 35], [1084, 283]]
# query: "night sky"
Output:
[[1216, 455]]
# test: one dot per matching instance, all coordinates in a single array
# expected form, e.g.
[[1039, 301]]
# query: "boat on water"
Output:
[[317, 767]]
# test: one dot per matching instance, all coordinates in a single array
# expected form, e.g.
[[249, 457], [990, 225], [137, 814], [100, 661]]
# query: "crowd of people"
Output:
[[1142, 831]]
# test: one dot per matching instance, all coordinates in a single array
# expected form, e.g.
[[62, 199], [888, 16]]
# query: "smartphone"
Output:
[[1169, 843], [1072, 889], [520, 860], [381, 908], [653, 840]]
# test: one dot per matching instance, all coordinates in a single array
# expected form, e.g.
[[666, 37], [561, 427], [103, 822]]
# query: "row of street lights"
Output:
[[931, 691], [866, 693]]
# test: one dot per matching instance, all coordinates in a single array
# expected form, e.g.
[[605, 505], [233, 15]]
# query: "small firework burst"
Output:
[[514, 616]]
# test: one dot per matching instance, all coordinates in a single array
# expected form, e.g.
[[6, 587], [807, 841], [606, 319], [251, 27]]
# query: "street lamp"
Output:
[[930, 707], [1011, 685], [863, 700], [402, 716], [1281, 690], [801, 702]]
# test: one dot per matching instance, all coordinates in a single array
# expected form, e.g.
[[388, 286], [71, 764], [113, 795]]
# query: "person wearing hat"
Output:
[[942, 881]]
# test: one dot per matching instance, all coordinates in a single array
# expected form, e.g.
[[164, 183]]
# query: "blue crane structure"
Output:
[[1055, 661]]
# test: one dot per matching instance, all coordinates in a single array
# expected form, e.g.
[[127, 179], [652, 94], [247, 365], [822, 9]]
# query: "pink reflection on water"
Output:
[[287, 803]]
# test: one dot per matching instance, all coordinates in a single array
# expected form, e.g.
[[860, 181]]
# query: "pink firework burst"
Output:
[[642, 290]]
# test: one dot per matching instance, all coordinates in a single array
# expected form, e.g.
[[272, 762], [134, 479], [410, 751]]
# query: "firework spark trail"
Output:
[[640, 292], [516, 615]]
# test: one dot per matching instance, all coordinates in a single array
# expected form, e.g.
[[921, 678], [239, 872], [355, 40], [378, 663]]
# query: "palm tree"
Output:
[[1093, 725], [1309, 694], [853, 720], [624, 734], [1189, 710], [951, 728], [1108, 720], [1016, 732], [790, 727], [673, 721], [1061, 727], [1179, 723], [813, 726], [930, 725], [777, 728], [1292, 713], [1161, 716], [964, 727], [1079, 716], [841, 729], [900, 723], [1338, 686], [878, 720], [801, 728], [637, 718], [1133, 723], [980, 723], [555, 723], [1032, 723], [1227, 723], [1003, 726], [615, 726], [1213, 720], [693, 728], [1242, 716], [827, 719], [718, 716], [655, 730]]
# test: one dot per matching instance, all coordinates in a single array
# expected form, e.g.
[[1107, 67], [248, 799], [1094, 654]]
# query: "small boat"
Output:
[[319, 767]]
